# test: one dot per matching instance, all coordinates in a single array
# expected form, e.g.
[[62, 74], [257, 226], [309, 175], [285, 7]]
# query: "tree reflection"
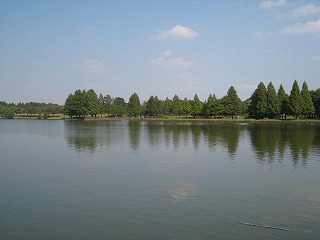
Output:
[[81, 136], [273, 139], [134, 134]]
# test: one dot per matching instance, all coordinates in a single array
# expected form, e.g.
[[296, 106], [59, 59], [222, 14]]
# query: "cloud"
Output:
[[91, 66], [268, 4], [176, 33], [167, 61], [305, 10], [296, 29], [300, 28]]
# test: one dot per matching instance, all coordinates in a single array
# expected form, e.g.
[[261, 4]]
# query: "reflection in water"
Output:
[[268, 141], [134, 134], [183, 192]]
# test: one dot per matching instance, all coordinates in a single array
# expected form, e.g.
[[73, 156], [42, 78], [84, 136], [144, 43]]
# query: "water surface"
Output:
[[158, 180]]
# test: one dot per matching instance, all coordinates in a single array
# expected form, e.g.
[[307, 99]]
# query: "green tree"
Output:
[[107, 104], [196, 106], [119, 106], [258, 105], [167, 107], [153, 106], [93, 105], [315, 95], [176, 106], [284, 101], [273, 103], [213, 106], [307, 104], [9, 113], [134, 106], [186, 107], [232, 103], [295, 100]]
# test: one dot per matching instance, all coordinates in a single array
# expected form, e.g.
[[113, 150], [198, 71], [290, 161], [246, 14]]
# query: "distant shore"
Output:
[[175, 119]]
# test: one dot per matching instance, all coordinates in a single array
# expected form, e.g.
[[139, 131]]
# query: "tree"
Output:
[[273, 103], [295, 100], [9, 113], [119, 106], [176, 105], [307, 104], [107, 104], [232, 103], [93, 105], [196, 106], [284, 101], [315, 95], [134, 106], [167, 107], [153, 106], [213, 106], [258, 105], [186, 107]]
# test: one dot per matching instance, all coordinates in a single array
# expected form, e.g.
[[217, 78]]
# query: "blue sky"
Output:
[[49, 49]]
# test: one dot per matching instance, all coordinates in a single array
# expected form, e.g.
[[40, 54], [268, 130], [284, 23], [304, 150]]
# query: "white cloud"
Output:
[[91, 66], [305, 10], [300, 28], [168, 61], [177, 32], [296, 29], [167, 53], [268, 4]]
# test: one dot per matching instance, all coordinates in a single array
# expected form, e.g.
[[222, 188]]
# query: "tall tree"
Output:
[[232, 103], [295, 100], [307, 104], [167, 107], [186, 107], [316, 101], [258, 105], [153, 106], [93, 105], [273, 103], [119, 106], [213, 107], [196, 106], [134, 106], [284, 101], [176, 105]]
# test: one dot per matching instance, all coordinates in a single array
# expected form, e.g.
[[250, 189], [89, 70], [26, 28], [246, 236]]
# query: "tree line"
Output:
[[44, 110], [265, 102]]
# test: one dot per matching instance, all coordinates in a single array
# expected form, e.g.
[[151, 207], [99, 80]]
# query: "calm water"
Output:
[[158, 180]]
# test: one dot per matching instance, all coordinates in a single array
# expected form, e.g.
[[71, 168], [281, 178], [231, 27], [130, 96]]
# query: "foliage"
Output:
[[307, 104], [295, 100], [9, 113], [315, 95], [134, 106], [196, 106], [167, 107], [258, 106], [186, 107], [273, 103], [93, 104], [232, 103], [176, 106], [284, 101]]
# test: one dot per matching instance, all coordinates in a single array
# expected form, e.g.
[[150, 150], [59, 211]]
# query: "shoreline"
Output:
[[178, 119]]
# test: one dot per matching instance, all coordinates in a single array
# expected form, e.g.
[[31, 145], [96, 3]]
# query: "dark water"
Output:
[[158, 180]]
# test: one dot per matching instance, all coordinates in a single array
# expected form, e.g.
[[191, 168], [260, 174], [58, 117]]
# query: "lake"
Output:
[[158, 180]]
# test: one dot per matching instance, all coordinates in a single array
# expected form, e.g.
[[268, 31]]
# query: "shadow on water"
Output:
[[269, 142]]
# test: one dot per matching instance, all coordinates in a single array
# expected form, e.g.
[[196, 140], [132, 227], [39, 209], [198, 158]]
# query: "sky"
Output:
[[49, 49]]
